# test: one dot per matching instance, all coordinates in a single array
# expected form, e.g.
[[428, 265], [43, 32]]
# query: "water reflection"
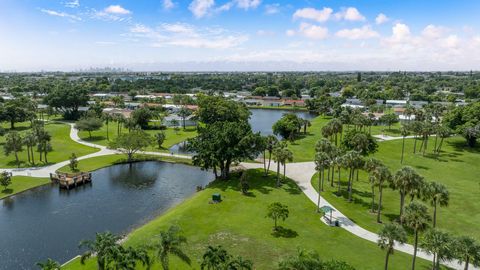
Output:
[[48, 222]]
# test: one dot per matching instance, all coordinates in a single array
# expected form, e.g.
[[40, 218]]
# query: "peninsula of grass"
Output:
[[238, 223], [61, 143], [95, 163], [304, 148], [22, 183], [456, 168], [172, 137]]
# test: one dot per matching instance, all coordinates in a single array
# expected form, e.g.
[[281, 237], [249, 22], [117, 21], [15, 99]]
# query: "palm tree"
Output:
[[171, 242], [371, 166], [378, 176], [416, 217], [388, 235], [184, 112], [271, 143], [215, 258], [405, 181], [322, 161], [467, 250], [281, 155], [437, 194], [104, 246], [443, 132], [49, 265], [127, 258], [439, 244], [107, 118], [354, 161]]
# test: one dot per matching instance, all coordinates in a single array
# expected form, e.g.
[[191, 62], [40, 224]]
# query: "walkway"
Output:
[[302, 174], [103, 151]]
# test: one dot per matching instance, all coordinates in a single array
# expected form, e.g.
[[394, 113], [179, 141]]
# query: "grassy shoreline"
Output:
[[238, 223], [21, 184]]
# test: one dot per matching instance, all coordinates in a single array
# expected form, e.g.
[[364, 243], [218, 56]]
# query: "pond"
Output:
[[47, 222], [261, 121]]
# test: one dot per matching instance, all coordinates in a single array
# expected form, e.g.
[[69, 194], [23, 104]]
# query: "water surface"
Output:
[[49, 223]]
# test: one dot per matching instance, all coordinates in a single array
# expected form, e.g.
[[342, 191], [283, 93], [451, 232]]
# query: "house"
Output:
[[305, 97], [417, 104], [126, 113], [353, 103], [396, 102], [253, 102], [376, 116], [272, 101], [294, 102]]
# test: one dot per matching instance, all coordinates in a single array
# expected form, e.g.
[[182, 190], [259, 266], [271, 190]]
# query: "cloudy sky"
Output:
[[239, 35]]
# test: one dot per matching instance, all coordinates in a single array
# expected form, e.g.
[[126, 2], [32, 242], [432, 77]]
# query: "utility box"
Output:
[[216, 197]]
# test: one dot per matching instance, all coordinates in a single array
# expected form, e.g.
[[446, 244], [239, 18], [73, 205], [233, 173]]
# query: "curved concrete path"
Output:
[[103, 151], [302, 174]]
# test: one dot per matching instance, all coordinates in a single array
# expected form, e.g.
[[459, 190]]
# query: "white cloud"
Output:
[[452, 42], [434, 32], [313, 14], [248, 4], [60, 14], [364, 32], [140, 28], [201, 8], [290, 33], [105, 43], [72, 4], [350, 14], [381, 19], [400, 32], [186, 35], [272, 9], [313, 31], [117, 9], [168, 4], [265, 33]]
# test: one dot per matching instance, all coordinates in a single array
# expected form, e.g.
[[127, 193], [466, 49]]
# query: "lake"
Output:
[[47, 222], [261, 121]]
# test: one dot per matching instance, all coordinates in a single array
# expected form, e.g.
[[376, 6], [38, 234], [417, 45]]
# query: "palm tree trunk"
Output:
[[284, 171], [435, 146], [415, 143], [16, 158], [467, 262], [319, 190], [33, 156], [402, 202], [434, 260], [28, 153], [265, 163], [415, 249], [379, 209], [333, 176], [339, 184], [350, 180], [107, 132], [403, 150], [278, 173], [434, 214], [386, 259], [269, 160]]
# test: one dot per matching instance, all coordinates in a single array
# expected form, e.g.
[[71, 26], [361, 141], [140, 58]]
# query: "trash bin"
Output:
[[337, 224], [216, 197]]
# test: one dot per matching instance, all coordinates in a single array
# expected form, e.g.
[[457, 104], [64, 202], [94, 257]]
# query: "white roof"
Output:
[[395, 101]]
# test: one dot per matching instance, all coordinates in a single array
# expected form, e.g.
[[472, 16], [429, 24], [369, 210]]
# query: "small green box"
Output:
[[216, 197]]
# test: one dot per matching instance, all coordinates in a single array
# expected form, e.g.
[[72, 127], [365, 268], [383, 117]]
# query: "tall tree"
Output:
[[171, 242], [103, 247], [270, 144], [89, 124], [388, 235], [467, 250], [322, 161], [277, 211], [131, 143], [405, 133], [416, 218], [13, 143], [437, 194], [67, 99], [438, 243], [184, 112], [405, 180]]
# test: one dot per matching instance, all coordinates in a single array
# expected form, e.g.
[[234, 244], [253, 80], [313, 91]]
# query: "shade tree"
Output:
[[389, 235]]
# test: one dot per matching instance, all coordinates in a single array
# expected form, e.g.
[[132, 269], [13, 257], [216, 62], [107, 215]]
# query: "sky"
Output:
[[240, 35]]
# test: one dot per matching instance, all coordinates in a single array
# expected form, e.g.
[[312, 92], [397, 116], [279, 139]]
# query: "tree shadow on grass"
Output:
[[95, 138], [284, 232], [461, 146], [7, 191]]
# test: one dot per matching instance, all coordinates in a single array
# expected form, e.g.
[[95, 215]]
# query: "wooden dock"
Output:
[[69, 180]]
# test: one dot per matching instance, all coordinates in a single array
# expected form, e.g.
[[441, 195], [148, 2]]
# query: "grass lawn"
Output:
[[22, 183], [239, 224], [172, 137], [95, 163], [457, 168], [304, 148], [62, 145]]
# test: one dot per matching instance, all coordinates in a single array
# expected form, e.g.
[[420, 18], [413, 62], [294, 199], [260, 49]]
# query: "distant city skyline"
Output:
[[239, 35]]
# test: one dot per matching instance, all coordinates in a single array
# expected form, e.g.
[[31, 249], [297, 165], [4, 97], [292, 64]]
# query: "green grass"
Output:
[[22, 183], [304, 148], [62, 145], [238, 223], [95, 163], [172, 137], [457, 168]]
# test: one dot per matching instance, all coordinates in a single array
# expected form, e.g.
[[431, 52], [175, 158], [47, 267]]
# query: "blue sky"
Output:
[[239, 35]]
